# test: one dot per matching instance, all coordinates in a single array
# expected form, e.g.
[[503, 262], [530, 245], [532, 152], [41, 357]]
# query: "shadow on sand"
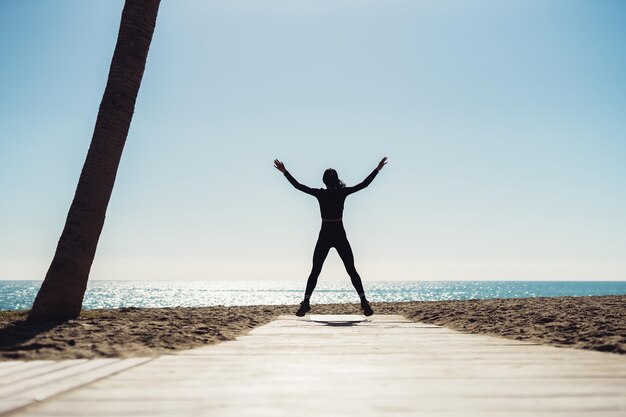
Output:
[[16, 335]]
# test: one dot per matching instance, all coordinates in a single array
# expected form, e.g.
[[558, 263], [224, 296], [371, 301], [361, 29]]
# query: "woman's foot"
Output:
[[365, 306], [305, 307]]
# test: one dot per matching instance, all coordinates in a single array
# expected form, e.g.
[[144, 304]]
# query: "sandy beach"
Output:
[[595, 323]]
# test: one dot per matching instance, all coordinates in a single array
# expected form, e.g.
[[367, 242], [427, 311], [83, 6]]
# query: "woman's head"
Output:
[[331, 180]]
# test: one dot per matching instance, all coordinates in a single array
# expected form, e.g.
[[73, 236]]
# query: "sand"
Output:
[[596, 323]]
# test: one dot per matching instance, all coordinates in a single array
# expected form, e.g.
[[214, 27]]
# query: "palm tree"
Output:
[[61, 294]]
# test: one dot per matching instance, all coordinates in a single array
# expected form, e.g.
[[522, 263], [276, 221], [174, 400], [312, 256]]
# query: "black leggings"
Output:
[[332, 235]]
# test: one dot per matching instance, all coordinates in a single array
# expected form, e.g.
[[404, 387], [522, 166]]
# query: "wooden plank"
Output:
[[82, 375], [32, 372], [7, 405], [6, 365], [374, 407], [55, 377], [62, 368], [23, 366], [64, 408], [281, 388]]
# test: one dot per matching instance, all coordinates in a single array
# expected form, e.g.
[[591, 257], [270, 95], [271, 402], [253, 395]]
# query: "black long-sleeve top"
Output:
[[331, 200]]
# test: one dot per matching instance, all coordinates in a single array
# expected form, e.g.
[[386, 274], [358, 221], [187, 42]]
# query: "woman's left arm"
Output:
[[367, 181]]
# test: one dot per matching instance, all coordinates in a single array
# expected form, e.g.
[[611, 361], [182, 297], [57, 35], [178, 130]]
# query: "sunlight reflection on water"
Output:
[[19, 295]]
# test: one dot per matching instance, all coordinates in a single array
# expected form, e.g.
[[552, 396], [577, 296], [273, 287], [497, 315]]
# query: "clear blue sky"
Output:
[[504, 124]]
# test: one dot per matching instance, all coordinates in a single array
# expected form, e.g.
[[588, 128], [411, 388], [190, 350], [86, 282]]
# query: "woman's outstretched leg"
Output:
[[319, 256], [345, 253]]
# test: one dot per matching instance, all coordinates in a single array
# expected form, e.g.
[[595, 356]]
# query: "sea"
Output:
[[19, 295]]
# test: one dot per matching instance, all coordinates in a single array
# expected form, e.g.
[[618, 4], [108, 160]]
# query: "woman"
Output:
[[332, 233]]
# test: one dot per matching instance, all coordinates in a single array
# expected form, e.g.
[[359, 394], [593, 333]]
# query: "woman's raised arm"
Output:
[[281, 167], [368, 180]]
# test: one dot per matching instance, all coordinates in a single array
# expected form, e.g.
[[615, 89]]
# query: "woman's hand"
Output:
[[279, 166], [382, 163]]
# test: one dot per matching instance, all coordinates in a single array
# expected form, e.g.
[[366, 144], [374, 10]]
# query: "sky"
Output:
[[504, 124]]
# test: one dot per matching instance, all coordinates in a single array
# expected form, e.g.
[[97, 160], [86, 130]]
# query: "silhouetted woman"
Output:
[[332, 233]]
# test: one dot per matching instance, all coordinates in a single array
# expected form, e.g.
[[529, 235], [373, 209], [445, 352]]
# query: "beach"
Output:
[[594, 323]]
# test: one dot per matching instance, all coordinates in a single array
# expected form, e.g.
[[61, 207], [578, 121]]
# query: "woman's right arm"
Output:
[[281, 167], [367, 181]]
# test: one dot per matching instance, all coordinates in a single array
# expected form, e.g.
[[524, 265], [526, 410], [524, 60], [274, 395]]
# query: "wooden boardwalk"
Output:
[[387, 366], [29, 382]]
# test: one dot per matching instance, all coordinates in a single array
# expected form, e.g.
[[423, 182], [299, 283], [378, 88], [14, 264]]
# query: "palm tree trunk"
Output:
[[61, 294]]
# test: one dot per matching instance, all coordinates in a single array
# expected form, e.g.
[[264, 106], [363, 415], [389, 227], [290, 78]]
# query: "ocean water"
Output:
[[19, 295]]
